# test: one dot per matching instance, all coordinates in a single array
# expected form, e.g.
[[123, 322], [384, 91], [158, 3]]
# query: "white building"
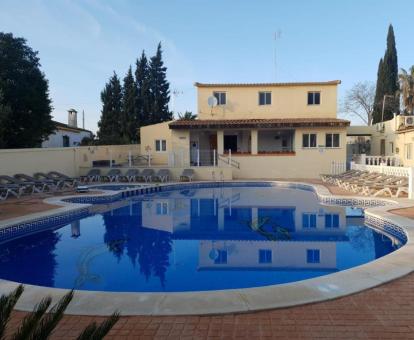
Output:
[[67, 135]]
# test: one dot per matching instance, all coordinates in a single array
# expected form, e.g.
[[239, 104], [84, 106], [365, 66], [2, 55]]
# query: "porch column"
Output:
[[220, 142], [253, 141]]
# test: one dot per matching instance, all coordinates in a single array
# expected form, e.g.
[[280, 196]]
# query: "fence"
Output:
[[338, 167], [391, 171], [377, 160]]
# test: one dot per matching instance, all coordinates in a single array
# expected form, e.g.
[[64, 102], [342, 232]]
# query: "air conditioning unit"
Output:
[[409, 121]]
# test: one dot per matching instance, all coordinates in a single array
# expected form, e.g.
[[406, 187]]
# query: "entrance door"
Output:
[[382, 147], [213, 142], [230, 142], [193, 152]]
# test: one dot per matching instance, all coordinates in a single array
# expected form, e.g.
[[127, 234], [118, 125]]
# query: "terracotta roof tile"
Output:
[[257, 123], [312, 83]]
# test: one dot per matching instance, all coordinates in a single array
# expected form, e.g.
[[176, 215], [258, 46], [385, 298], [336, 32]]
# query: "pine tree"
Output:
[[129, 114], [142, 79], [109, 125], [387, 81], [160, 89], [25, 105]]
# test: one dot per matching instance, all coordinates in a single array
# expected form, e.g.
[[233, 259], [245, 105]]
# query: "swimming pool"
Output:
[[197, 239]]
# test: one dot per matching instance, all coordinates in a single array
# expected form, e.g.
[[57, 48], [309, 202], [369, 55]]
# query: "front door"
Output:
[[230, 143], [213, 142]]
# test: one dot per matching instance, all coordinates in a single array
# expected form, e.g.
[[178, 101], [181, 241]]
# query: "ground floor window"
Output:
[[313, 256], [309, 140], [265, 256], [160, 145], [332, 140]]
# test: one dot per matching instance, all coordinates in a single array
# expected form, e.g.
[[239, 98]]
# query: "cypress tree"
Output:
[[160, 89], [109, 125], [143, 100], [25, 106], [129, 116], [387, 81]]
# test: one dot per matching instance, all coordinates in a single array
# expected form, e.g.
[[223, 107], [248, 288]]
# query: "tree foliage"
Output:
[[40, 324], [387, 81], [109, 125], [187, 115], [359, 101], [129, 114], [407, 89], [25, 106]]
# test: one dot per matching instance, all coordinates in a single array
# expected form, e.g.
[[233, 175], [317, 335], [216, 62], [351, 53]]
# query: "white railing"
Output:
[[377, 160], [391, 171], [338, 167]]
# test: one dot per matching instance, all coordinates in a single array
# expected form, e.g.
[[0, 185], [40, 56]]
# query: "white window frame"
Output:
[[313, 93], [162, 145], [265, 93], [332, 138], [219, 96], [309, 140]]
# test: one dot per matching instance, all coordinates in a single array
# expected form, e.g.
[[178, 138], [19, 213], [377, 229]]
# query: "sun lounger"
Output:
[[14, 189], [41, 184], [27, 186], [162, 175], [70, 182], [112, 175], [331, 178], [130, 176], [93, 175], [363, 185], [59, 183], [187, 174], [146, 175]]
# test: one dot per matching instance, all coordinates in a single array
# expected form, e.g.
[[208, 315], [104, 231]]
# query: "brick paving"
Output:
[[384, 312]]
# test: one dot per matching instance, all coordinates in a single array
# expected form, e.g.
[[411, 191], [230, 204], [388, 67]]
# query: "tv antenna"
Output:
[[212, 102], [276, 37], [175, 94]]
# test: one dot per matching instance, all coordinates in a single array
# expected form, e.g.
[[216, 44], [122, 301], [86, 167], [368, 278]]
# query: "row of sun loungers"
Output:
[[134, 175], [369, 183], [20, 184]]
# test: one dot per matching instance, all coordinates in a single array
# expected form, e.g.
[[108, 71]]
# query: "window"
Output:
[[314, 98], [309, 140], [221, 97], [65, 141], [265, 98], [265, 256], [332, 140], [408, 153], [160, 145], [309, 221], [331, 221], [162, 208], [313, 255], [221, 257]]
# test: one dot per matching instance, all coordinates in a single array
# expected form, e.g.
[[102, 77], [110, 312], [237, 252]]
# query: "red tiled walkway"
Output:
[[385, 312]]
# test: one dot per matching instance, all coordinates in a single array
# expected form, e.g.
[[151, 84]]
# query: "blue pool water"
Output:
[[197, 239]]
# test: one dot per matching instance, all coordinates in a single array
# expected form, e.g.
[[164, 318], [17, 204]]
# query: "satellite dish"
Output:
[[212, 101]]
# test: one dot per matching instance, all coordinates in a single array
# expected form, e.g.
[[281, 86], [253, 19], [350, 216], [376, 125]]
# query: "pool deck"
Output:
[[383, 312]]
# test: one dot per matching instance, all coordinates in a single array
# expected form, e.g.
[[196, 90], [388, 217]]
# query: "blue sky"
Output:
[[81, 43]]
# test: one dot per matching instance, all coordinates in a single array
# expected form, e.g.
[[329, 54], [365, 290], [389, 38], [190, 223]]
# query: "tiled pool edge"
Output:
[[323, 288]]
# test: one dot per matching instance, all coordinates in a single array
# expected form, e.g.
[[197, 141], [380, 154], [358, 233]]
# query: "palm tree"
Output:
[[187, 115], [407, 89], [40, 324]]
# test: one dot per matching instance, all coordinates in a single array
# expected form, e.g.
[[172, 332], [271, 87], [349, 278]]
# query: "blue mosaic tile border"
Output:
[[42, 223], [387, 226]]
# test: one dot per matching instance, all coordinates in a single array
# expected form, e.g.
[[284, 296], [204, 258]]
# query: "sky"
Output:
[[82, 42]]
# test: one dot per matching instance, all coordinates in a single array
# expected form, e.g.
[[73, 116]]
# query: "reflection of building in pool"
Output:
[[75, 229], [236, 230]]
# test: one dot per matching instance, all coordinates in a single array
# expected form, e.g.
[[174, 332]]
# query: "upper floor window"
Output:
[[66, 141], [221, 257], [408, 151], [332, 221], [309, 140], [221, 97], [308, 221], [332, 140], [265, 98], [160, 145], [314, 98]]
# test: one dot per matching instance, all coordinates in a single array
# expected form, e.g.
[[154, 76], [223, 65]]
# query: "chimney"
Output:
[[72, 118]]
